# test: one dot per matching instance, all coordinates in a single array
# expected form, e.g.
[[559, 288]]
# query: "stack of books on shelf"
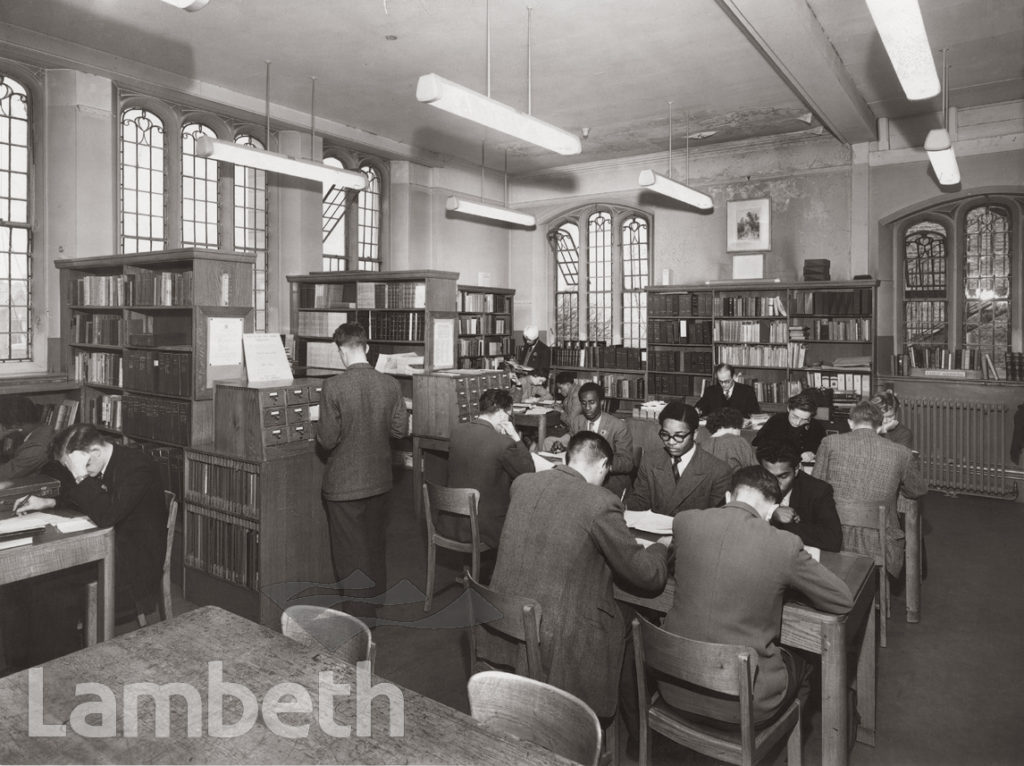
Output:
[[750, 331], [103, 410], [791, 355], [159, 372], [855, 301], [618, 386], [680, 304], [680, 331], [391, 295], [598, 354], [817, 269], [775, 392], [935, 361], [392, 325], [160, 288], [749, 306], [676, 385], [490, 303], [472, 347], [98, 367], [1014, 366], [100, 329], [341, 295], [321, 323], [164, 420], [680, 361], [94, 290]]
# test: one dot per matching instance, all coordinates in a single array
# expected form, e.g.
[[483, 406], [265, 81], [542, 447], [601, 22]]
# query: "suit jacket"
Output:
[[731, 449], [819, 523], [564, 540], [483, 459], [803, 438], [702, 485], [862, 466], [621, 440], [732, 571], [360, 409], [537, 356], [743, 399], [129, 498], [29, 456]]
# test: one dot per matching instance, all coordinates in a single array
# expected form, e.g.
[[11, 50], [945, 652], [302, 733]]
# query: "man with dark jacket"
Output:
[[727, 392], [807, 508]]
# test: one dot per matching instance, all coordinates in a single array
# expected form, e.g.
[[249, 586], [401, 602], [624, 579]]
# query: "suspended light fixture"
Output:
[[901, 28], [939, 146], [466, 103], [666, 186], [188, 5]]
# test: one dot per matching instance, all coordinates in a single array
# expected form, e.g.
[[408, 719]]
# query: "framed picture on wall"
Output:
[[749, 225]]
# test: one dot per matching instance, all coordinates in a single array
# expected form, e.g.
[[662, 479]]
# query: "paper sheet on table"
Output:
[[38, 519], [540, 464], [15, 543], [814, 552], [554, 457], [649, 521]]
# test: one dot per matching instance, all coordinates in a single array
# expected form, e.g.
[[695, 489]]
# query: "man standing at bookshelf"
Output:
[[360, 410], [534, 353]]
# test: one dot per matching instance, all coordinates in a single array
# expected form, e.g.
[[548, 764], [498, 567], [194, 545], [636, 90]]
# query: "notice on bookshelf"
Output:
[[265, 359], [441, 341]]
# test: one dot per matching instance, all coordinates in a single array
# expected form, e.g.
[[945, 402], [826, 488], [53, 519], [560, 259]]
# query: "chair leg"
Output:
[[794, 746], [431, 561], [883, 604], [140, 615], [610, 754], [165, 605], [645, 737]]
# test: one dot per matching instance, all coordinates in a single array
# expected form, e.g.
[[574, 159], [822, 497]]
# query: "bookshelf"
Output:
[[485, 326], [619, 370], [397, 309], [783, 337]]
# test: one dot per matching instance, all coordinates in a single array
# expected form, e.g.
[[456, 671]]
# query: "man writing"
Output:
[[360, 409], [615, 432], [732, 571], [807, 509]]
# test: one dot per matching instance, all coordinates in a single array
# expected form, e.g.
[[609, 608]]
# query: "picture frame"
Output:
[[748, 225]]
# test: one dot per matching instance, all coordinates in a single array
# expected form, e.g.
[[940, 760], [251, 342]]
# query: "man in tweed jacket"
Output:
[[359, 410], [865, 467]]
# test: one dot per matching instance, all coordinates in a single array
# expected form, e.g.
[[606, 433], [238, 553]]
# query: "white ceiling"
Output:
[[743, 68]]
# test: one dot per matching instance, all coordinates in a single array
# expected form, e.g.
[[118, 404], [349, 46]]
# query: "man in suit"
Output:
[[728, 393], [569, 389], [564, 541], [486, 455], [725, 441], [534, 353], [732, 570], [360, 409], [615, 432], [807, 508], [796, 426], [682, 476], [863, 466]]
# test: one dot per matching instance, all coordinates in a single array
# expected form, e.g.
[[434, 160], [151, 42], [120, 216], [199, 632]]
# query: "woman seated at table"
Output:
[[797, 426], [891, 428], [25, 440], [726, 442]]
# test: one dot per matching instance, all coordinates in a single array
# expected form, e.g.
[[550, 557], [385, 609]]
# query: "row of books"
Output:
[[484, 325], [100, 329], [673, 331], [321, 323], [104, 410], [832, 329], [775, 391], [1014, 366], [792, 355], [618, 386], [158, 288], [223, 546], [394, 325], [491, 303], [327, 296], [750, 306], [598, 354], [160, 330], [158, 372], [676, 385], [853, 301], [169, 461], [391, 295], [165, 420], [680, 304], [936, 358], [681, 361], [858, 383], [223, 484], [480, 347], [60, 416], [101, 367], [751, 331]]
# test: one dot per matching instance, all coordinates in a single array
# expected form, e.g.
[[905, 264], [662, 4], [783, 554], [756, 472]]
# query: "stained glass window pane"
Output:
[[565, 244], [15, 258], [250, 187], [142, 151], [925, 268], [599, 277], [986, 283], [635, 260], [335, 205], [369, 219], [198, 190]]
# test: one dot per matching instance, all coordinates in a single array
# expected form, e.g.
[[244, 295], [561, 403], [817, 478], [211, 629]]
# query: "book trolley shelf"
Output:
[[783, 337], [485, 326]]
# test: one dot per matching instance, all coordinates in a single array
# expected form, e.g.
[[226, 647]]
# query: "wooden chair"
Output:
[[331, 629], [722, 668], [164, 602], [871, 519], [537, 712], [514, 617], [460, 502]]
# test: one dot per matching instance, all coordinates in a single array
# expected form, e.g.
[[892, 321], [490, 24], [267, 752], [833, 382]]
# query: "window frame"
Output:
[[355, 161]]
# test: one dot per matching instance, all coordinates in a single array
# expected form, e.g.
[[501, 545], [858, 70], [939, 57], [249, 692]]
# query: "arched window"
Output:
[[15, 222], [334, 233], [251, 224], [199, 221], [142, 148], [960, 269], [602, 262], [369, 214]]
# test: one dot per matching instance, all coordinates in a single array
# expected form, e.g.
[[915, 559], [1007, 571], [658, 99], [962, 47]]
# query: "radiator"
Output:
[[964, 446]]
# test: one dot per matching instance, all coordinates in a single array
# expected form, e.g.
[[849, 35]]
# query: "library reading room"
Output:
[[375, 389]]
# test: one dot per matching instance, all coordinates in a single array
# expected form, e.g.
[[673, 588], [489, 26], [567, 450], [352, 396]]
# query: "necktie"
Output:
[[676, 460]]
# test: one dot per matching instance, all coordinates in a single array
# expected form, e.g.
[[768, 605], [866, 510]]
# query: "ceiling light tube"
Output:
[[228, 151], [463, 102], [940, 154], [662, 185], [188, 5], [901, 28], [480, 210]]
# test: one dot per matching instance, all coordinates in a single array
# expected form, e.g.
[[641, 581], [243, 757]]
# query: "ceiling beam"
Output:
[[788, 35]]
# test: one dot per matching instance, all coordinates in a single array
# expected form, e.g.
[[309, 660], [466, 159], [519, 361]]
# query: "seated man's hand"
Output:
[[785, 515], [30, 503], [807, 457], [557, 447]]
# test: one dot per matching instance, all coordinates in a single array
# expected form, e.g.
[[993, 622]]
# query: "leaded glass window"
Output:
[[924, 261], [142, 156], [635, 260], [369, 215], [251, 225], [599, 277], [199, 224], [15, 230], [565, 243], [986, 282], [335, 206]]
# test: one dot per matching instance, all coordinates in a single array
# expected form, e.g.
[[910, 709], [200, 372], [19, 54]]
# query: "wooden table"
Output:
[[911, 510], [540, 421], [829, 635], [53, 551], [257, 658]]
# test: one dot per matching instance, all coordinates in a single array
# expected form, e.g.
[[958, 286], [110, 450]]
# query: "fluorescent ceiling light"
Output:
[[662, 185], [188, 5], [480, 210], [940, 154], [227, 151], [902, 31], [463, 102]]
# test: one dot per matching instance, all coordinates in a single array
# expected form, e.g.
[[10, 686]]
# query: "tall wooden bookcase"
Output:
[[485, 326], [619, 370], [783, 337]]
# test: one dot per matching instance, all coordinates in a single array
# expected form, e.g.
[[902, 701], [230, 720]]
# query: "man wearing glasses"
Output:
[[681, 476], [728, 393]]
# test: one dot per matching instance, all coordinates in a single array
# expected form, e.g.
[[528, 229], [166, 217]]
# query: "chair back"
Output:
[[335, 631], [461, 501], [514, 617], [868, 515], [537, 712], [171, 501]]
